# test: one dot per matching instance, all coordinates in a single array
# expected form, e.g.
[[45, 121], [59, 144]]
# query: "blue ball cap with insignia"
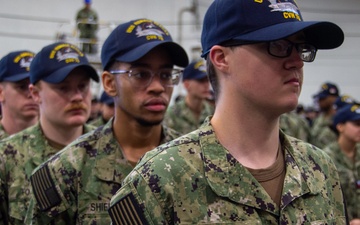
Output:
[[327, 89], [106, 99], [132, 40], [196, 70], [342, 101], [56, 61], [350, 112], [15, 66], [245, 21]]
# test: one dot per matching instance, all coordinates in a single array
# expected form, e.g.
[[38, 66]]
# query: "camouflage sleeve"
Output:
[[134, 203], [335, 192], [52, 201], [3, 199]]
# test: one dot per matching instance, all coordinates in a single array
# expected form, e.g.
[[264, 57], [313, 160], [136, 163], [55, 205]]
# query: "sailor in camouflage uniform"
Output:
[[321, 131], [188, 113], [138, 59], [18, 109], [60, 84], [294, 125], [345, 152], [324, 128], [238, 167], [107, 110]]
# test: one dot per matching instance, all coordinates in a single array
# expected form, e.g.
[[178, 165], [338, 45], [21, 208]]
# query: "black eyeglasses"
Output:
[[142, 77], [283, 48]]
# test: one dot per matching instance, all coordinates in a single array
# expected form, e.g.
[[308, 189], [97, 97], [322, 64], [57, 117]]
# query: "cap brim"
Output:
[[357, 117], [60, 75], [17, 77], [324, 35], [198, 76], [176, 52]]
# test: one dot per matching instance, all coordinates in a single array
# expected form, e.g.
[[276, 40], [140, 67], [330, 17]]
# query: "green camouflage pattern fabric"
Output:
[[86, 174], [20, 154], [195, 180], [98, 122], [3, 133], [180, 118], [349, 173], [321, 132], [295, 126]]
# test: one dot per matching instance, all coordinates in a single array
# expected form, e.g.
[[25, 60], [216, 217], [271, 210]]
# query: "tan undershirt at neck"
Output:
[[272, 178], [55, 145]]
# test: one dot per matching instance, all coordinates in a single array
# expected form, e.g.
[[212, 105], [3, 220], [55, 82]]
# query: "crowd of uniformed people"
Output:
[[67, 157]]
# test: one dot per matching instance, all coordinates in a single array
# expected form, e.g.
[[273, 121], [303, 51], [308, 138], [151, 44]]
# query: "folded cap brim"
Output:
[[177, 53], [323, 35], [60, 74], [17, 77]]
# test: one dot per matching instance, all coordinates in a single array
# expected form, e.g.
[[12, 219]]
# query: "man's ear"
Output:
[[2, 96], [186, 84], [218, 56], [34, 91], [109, 83]]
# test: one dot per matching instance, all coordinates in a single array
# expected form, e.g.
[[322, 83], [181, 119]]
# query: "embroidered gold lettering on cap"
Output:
[[127, 211], [44, 189]]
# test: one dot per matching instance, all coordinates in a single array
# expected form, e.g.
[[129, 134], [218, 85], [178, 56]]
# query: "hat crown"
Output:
[[16, 65], [349, 112], [195, 70], [130, 35], [53, 58], [227, 19]]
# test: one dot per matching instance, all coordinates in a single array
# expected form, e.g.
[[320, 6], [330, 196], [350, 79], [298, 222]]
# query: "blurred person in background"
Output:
[[19, 110], [87, 23], [345, 152], [328, 134], [325, 98], [106, 110], [188, 113]]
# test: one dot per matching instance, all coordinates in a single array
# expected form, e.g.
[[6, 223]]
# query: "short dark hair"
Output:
[[212, 77]]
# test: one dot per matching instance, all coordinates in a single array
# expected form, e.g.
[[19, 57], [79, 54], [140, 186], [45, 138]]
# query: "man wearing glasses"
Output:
[[239, 167], [75, 187]]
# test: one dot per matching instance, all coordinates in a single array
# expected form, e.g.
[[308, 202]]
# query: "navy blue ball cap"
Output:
[[56, 61], [15, 66], [196, 70], [132, 40], [350, 112], [263, 21], [106, 99], [343, 101], [327, 89]]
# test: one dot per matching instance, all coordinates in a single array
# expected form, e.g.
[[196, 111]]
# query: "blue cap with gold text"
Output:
[[15, 66], [56, 61], [132, 40], [350, 112], [196, 70]]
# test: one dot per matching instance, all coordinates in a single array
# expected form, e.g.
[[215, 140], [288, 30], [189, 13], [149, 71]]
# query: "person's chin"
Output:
[[146, 122], [77, 120]]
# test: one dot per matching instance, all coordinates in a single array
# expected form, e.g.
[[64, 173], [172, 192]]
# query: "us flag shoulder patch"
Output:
[[127, 211], [44, 189]]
